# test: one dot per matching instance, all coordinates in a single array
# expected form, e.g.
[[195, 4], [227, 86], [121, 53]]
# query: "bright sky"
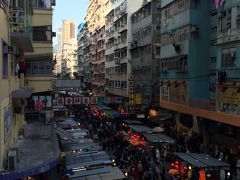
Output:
[[68, 9]]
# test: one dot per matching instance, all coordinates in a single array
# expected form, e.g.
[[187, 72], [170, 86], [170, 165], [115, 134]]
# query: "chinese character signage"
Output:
[[68, 100], [93, 100], [77, 100], [85, 100], [60, 101]]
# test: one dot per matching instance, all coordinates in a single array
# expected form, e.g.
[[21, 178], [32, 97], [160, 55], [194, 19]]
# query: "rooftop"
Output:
[[38, 151]]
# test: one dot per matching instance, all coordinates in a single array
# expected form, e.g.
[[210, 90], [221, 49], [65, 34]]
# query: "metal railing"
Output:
[[20, 18]]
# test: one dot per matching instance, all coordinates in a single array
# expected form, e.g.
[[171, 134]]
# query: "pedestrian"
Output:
[[140, 170]]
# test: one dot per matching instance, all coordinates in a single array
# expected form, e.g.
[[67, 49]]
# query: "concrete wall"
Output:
[[199, 53]]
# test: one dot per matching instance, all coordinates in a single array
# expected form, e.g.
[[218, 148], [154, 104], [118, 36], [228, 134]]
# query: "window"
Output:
[[158, 50], [179, 63], [39, 66], [42, 33], [5, 60], [42, 4], [117, 84], [229, 58], [124, 84], [164, 93]]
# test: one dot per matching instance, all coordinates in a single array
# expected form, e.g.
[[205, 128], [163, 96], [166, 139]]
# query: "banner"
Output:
[[60, 101], [85, 100], [77, 100], [68, 100], [93, 100]]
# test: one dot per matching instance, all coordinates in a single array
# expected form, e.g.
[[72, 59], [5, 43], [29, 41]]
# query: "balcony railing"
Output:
[[203, 104], [20, 25]]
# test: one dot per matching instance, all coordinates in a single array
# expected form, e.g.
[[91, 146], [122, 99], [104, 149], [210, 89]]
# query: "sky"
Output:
[[69, 9]]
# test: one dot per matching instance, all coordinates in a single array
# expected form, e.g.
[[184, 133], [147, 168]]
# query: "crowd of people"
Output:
[[139, 162]]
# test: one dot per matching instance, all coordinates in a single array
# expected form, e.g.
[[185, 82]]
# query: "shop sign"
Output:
[[93, 100], [111, 100], [230, 96], [131, 91], [68, 100], [8, 123], [60, 101], [138, 98], [77, 100], [85, 100], [101, 99], [119, 100]]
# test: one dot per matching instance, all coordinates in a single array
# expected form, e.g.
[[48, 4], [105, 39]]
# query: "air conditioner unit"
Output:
[[12, 160], [194, 29]]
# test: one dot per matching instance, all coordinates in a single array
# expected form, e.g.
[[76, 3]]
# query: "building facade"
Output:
[[26, 67], [145, 52], [118, 38], [199, 62]]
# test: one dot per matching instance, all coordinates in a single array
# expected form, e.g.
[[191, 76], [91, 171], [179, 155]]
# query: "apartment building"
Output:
[[39, 64], [145, 52], [68, 30], [199, 64], [69, 49], [15, 39], [93, 40], [59, 39], [81, 60], [26, 48], [118, 39], [98, 62]]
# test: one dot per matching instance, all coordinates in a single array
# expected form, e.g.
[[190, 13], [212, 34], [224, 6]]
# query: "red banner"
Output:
[[60, 101], [85, 100], [93, 100], [68, 100], [77, 100]]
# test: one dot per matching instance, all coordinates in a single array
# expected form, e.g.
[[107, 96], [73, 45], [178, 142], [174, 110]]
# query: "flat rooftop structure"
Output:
[[133, 122], [106, 173], [201, 160], [158, 138], [80, 144], [38, 149], [86, 157], [140, 128]]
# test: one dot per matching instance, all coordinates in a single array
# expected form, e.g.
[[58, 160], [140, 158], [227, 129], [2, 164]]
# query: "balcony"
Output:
[[203, 104], [20, 25]]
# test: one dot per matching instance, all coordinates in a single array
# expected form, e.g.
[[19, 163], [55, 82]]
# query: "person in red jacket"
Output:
[[22, 68]]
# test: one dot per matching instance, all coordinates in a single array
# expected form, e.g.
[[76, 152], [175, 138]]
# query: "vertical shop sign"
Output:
[[131, 93]]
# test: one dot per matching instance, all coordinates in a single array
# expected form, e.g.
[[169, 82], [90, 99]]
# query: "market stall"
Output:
[[106, 173], [77, 162], [199, 166]]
